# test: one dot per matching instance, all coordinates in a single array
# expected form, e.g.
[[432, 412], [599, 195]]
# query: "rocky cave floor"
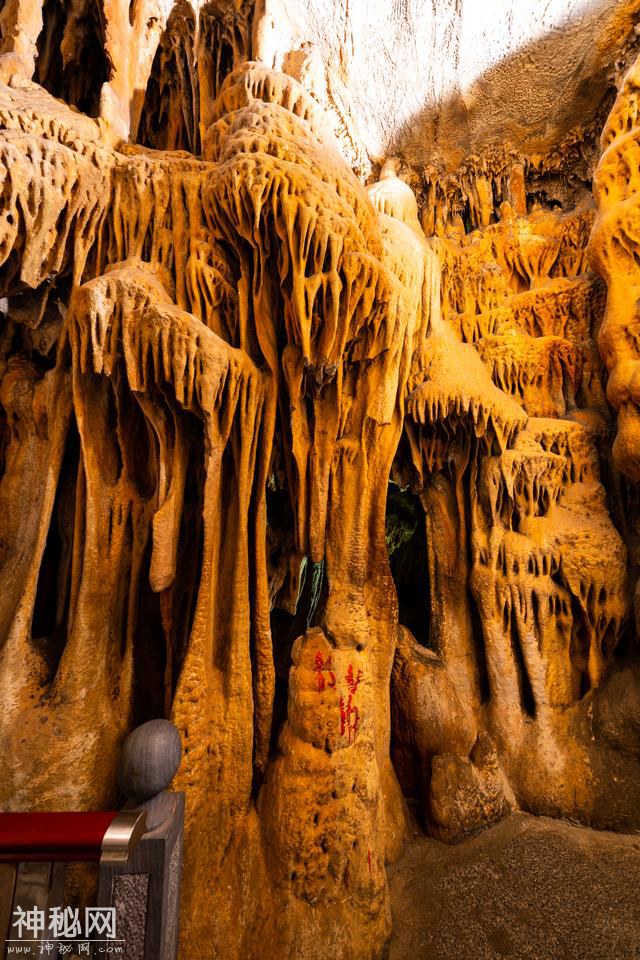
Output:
[[530, 888]]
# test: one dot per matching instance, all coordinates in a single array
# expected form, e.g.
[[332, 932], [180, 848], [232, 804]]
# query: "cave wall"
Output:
[[328, 459]]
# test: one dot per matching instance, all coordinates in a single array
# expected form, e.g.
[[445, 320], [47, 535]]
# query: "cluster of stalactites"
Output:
[[275, 179], [147, 70], [125, 323], [54, 187], [521, 291], [319, 273], [127, 316], [541, 527], [472, 198], [614, 254], [523, 482], [270, 241], [519, 257], [453, 397], [508, 361], [107, 207]]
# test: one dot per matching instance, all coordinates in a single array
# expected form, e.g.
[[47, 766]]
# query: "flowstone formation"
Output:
[[319, 469], [516, 526]]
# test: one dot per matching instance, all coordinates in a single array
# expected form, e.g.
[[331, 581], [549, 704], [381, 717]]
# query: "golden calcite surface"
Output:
[[336, 470]]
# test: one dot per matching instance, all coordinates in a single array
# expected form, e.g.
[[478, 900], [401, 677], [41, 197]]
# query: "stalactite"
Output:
[[520, 306], [52, 193]]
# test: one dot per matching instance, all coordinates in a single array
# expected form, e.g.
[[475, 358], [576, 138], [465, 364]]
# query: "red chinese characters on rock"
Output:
[[325, 677], [326, 680], [349, 713]]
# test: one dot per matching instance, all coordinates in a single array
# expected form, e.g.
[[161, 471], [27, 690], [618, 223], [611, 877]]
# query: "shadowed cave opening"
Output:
[[297, 588], [527, 699], [170, 114], [51, 607], [405, 534], [161, 622], [217, 41], [187, 53], [165, 619], [184, 592], [72, 63]]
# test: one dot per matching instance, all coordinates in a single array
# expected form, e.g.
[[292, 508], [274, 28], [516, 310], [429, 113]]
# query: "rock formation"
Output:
[[311, 453]]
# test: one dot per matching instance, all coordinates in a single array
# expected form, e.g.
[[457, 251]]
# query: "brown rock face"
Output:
[[320, 470]]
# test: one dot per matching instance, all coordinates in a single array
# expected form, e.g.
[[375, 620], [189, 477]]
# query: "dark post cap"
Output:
[[149, 760]]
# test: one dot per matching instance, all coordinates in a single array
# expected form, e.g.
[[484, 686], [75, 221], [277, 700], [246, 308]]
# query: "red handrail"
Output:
[[66, 837]]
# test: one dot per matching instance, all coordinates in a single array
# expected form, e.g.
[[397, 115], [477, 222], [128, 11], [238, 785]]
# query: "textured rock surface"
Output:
[[311, 453], [459, 77], [529, 889]]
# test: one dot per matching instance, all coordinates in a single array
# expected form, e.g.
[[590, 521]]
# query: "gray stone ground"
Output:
[[530, 888]]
